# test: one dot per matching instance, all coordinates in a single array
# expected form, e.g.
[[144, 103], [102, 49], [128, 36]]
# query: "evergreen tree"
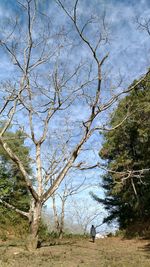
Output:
[[12, 186], [125, 149]]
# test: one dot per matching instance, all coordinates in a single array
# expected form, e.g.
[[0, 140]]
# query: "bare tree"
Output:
[[84, 215], [46, 85], [143, 24], [69, 189]]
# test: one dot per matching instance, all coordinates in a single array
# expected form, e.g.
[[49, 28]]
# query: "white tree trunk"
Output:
[[56, 219], [35, 218], [61, 228]]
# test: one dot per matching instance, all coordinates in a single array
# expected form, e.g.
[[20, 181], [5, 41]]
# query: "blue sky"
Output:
[[129, 49]]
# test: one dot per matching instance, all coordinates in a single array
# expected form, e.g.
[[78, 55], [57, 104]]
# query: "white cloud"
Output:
[[128, 49]]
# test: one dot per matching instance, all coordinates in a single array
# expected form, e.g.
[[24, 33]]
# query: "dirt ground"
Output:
[[108, 252]]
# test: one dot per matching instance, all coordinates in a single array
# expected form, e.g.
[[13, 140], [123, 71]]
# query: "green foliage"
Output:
[[12, 223], [12, 186], [128, 149], [44, 234]]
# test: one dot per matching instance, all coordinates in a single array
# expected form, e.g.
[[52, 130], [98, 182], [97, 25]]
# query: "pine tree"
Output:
[[12, 186], [128, 149]]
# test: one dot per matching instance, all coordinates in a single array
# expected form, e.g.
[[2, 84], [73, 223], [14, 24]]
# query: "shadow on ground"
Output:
[[147, 247]]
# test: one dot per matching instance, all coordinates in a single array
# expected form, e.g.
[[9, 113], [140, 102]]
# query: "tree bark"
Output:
[[34, 220], [61, 228], [56, 219]]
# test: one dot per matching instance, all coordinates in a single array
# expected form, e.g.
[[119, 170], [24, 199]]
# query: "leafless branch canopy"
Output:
[[53, 97]]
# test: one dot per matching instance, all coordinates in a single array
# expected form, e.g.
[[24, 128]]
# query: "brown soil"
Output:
[[108, 252]]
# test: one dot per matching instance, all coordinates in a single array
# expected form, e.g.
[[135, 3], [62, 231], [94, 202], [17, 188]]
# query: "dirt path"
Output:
[[109, 252]]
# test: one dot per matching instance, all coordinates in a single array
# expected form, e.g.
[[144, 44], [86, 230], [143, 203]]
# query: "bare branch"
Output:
[[16, 61], [7, 205], [21, 167]]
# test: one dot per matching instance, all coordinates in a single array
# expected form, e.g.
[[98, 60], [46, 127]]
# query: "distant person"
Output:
[[93, 233]]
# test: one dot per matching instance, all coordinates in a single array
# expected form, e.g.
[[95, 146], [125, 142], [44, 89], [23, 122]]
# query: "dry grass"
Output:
[[109, 252]]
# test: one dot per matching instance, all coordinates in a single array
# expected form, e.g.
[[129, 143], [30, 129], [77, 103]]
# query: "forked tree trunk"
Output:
[[35, 218]]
